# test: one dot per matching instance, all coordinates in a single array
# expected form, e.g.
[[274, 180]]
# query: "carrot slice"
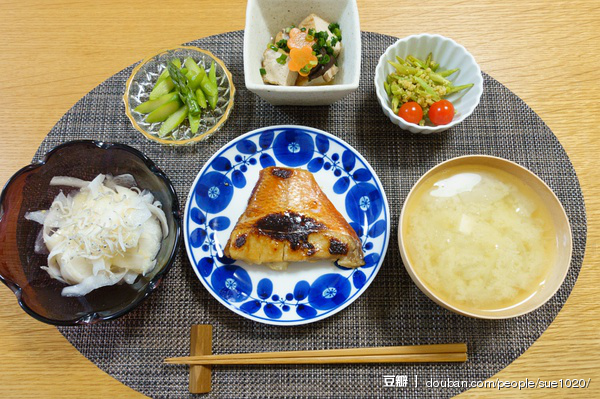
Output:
[[298, 39], [302, 60]]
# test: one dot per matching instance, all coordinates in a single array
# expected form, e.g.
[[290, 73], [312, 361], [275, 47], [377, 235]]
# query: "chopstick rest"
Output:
[[200, 344], [201, 356]]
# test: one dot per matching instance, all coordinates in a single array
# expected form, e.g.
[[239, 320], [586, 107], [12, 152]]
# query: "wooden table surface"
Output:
[[548, 53]]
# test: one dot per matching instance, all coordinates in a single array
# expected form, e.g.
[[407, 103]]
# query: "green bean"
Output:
[[427, 88], [454, 89], [395, 104], [417, 62], [448, 72], [415, 79], [387, 88], [436, 77]]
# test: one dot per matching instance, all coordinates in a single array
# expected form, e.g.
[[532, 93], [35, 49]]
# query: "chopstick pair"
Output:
[[390, 354]]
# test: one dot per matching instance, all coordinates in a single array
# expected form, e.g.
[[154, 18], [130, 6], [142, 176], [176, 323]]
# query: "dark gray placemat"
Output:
[[391, 312]]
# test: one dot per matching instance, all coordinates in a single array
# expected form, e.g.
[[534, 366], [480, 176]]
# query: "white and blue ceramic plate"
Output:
[[305, 292]]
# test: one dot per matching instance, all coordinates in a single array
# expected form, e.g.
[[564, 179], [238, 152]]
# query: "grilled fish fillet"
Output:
[[289, 219]]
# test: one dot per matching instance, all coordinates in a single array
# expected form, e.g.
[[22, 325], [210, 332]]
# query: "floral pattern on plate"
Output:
[[305, 292]]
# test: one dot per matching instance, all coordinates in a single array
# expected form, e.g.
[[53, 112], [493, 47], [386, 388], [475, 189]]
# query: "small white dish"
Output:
[[264, 18], [449, 55]]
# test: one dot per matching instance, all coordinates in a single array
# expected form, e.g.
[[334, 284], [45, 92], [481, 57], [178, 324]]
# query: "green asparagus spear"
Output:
[[212, 74], [162, 88], [185, 93], [165, 72], [195, 80], [208, 88], [194, 122], [173, 121], [192, 66], [151, 105], [201, 98], [212, 101], [163, 112]]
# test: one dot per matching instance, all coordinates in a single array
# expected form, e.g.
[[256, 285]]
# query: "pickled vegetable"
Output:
[[419, 81]]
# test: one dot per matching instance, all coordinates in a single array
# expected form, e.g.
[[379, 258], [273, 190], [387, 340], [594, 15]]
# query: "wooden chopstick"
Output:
[[415, 358], [391, 354]]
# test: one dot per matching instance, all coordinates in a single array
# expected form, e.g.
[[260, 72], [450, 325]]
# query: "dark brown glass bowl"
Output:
[[29, 190]]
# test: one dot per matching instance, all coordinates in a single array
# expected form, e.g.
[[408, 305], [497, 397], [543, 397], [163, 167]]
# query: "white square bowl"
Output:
[[449, 55], [264, 18]]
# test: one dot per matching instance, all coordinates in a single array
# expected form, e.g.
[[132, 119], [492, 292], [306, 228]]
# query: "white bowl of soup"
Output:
[[484, 237]]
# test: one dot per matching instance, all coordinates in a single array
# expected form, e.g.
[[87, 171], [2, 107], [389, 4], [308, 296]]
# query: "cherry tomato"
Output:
[[411, 112], [441, 112]]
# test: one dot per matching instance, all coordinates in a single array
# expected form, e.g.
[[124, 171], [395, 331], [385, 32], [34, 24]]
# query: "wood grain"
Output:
[[200, 344], [548, 53]]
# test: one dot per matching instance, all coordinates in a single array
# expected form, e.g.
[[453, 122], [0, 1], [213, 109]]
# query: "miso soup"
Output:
[[479, 238]]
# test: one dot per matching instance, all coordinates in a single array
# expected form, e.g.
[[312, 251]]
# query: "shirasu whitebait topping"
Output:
[[103, 234]]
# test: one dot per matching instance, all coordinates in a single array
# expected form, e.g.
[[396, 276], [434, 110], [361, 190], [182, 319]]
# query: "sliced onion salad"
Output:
[[107, 232]]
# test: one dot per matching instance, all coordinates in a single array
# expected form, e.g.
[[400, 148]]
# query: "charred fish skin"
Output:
[[289, 219]]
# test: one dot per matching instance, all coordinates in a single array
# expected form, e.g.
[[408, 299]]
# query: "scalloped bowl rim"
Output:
[[383, 98], [90, 317], [199, 137]]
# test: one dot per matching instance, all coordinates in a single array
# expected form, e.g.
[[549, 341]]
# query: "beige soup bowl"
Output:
[[562, 261]]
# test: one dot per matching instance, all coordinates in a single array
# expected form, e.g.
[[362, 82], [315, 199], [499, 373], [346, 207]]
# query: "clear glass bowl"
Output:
[[141, 82], [29, 190]]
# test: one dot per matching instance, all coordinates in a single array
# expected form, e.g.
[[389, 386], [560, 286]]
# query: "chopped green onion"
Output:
[[311, 32], [313, 63], [281, 60], [334, 41], [338, 33], [309, 38], [333, 26], [272, 47], [329, 50], [263, 71], [282, 44], [303, 29], [305, 69], [324, 59]]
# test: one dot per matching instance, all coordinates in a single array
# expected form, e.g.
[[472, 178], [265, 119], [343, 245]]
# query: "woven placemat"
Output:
[[391, 312]]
